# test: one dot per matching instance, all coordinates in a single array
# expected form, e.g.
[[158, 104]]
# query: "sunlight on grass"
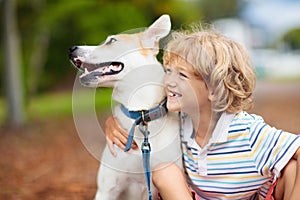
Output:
[[60, 104]]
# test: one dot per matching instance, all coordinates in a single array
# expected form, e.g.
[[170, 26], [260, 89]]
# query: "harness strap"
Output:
[[131, 134]]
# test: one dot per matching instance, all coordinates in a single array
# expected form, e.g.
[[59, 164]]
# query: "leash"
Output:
[[142, 118], [146, 150]]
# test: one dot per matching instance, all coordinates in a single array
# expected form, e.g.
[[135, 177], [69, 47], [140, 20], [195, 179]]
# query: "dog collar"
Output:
[[149, 115], [143, 116]]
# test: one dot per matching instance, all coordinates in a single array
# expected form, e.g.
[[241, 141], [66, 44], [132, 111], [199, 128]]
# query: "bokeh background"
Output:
[[42, 156]]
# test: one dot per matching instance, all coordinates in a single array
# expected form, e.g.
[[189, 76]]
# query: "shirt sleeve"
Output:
[[271, 148]]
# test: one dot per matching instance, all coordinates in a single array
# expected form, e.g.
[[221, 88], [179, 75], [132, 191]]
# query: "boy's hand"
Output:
[[116, 135]]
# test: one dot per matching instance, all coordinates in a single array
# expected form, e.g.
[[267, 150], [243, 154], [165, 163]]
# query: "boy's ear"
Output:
[[159, 29], [210, 96]]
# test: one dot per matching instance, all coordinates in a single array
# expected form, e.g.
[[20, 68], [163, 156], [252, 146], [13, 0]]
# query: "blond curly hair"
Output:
[[223, 63]]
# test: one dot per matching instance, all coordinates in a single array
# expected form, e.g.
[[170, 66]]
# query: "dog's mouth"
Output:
[[101, 69], [93, 72]]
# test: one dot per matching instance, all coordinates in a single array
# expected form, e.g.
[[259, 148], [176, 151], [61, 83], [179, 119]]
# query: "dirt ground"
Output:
[[46, 159]]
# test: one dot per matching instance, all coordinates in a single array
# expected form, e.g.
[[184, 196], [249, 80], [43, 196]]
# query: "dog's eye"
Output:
[[110, 40]]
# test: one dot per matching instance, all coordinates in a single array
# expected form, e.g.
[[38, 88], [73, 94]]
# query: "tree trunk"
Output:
[[12, 66], [38, 57]]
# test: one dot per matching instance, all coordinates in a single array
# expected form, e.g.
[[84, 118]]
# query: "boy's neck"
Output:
[[204, 126]]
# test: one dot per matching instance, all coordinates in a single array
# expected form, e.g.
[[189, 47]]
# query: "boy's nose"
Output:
[[169, 81]]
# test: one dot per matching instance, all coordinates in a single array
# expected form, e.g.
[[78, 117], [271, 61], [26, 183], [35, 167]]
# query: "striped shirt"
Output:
[[242, 159]]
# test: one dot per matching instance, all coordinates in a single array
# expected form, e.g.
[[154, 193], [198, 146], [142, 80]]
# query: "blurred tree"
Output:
[[215, 9], [40, 44], [182, 12], [13, 81], [292, 39]]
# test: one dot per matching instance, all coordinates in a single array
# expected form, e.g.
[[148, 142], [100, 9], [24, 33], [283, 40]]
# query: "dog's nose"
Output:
[[72, 49]]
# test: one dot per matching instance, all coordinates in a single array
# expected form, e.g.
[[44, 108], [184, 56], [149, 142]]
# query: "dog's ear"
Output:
[[159, 29]]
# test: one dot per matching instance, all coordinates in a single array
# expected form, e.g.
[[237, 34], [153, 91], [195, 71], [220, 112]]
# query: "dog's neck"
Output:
[[142, 88]]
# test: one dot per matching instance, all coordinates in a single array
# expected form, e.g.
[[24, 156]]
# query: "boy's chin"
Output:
[[173, 107]]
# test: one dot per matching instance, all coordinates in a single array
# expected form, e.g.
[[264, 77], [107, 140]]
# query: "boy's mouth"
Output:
[[173, 94]]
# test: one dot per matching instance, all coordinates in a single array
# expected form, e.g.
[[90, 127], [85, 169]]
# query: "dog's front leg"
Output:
[[109, 181], [108, 189]]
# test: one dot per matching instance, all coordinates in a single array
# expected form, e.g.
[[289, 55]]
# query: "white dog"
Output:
[[127, 62]]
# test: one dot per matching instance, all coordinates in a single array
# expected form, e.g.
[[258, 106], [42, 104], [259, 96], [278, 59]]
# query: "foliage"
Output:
[[292, 38], [214, 9]]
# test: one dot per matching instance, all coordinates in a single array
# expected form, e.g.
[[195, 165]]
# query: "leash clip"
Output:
[[146, 147], [144, 122]]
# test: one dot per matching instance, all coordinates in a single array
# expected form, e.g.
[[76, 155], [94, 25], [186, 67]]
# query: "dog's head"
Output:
[[107, 63]]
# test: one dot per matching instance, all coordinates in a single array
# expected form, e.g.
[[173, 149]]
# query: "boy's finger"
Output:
[[111, 147]]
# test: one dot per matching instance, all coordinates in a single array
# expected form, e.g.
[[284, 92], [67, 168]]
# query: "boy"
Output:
[[227, 153]]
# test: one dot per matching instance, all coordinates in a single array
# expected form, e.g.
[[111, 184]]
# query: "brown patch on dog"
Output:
[[143, 50]]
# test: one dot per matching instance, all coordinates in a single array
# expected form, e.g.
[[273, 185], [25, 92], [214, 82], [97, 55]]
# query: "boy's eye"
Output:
[[183, 75], [168, 70]]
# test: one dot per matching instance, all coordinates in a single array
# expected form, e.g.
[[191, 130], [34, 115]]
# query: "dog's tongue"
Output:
[[107, 70], [93, 76], [85, 78]]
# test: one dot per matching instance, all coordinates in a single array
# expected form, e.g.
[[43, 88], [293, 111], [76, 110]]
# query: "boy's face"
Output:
[[186, 91]]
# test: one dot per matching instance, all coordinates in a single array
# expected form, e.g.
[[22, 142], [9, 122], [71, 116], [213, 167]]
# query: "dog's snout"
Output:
[[72, 49]]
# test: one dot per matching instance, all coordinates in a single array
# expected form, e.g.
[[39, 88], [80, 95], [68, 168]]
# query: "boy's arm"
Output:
[[296, 189]]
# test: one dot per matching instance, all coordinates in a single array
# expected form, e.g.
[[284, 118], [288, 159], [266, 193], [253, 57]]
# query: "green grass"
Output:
[[290, 79], [62, 104]]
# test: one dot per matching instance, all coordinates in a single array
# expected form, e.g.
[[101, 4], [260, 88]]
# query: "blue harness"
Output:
[[142, 118]]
